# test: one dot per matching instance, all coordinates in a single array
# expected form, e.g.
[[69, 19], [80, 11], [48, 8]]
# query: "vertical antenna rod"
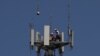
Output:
[[37, 9], [70, 31], [69, 17]]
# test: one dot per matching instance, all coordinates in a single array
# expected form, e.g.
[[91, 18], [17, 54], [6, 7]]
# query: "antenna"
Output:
[[37, 9], [37, 39], [62, 35], [69, 17], [70, 31], [49, 42], [46, 34], [31, 35], [68, 20]]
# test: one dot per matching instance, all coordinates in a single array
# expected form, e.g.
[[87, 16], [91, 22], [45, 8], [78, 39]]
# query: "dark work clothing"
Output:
[[58, 37]]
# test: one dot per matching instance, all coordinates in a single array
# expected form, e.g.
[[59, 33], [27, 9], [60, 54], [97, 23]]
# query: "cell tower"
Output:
[[51, 41]]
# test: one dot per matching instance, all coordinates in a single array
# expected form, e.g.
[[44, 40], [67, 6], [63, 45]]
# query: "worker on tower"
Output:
[[57, 35], [52, 38]]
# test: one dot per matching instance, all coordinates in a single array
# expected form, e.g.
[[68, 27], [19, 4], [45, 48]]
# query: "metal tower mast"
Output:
[[50, 41]]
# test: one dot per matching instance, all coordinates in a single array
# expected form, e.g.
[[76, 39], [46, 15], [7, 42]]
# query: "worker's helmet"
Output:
[[56, 31]]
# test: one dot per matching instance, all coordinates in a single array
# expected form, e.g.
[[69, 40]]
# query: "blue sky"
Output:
[[16, 14]]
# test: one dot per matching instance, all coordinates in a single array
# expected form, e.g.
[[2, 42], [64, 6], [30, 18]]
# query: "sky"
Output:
[[15, 15]]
